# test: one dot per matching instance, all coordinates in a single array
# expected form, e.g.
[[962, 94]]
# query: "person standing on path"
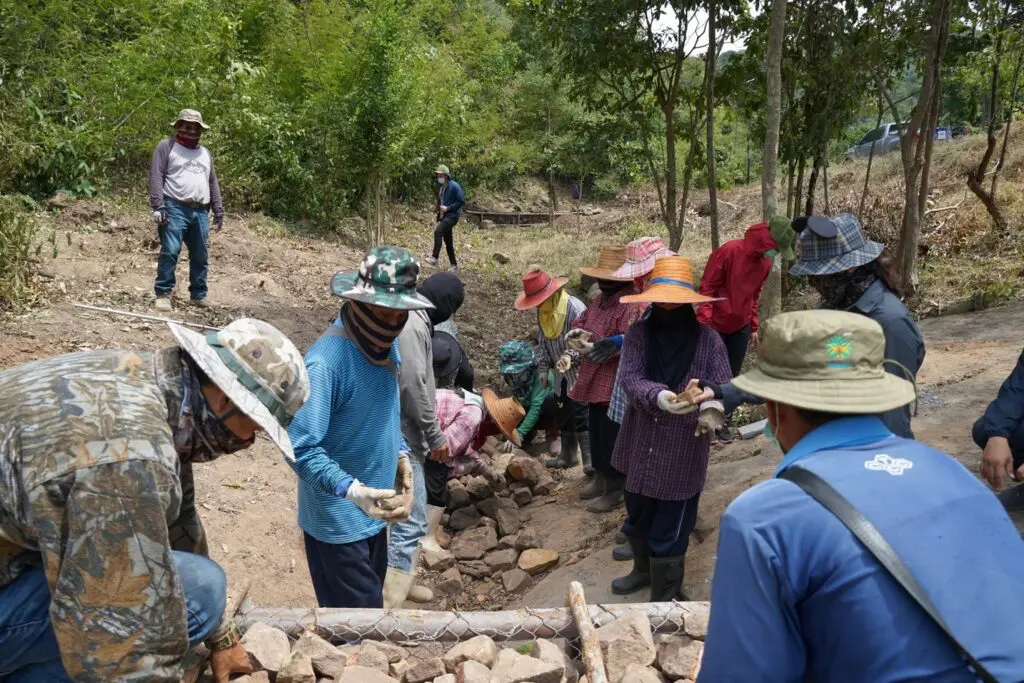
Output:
[[663, 448], [92, 585], [557, 311], [796, 596], [598, 333], [734, 276], [450, 199], [353, 465], [183, 187]]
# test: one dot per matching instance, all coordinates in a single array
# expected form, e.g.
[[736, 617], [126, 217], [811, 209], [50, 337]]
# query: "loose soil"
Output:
[[247, 501]]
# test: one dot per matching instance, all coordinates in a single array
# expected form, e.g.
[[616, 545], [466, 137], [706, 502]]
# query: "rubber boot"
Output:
[[620, 538], [396, 587], [622, 553], [429, 542], [567, 457], [419, 593], [612, 497], [584, 440], [667, 578], [638, 577], [594, 489]]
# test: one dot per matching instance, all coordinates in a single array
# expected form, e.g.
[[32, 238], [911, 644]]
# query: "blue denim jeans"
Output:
[[28, 648], [405, 536], [191, 227]]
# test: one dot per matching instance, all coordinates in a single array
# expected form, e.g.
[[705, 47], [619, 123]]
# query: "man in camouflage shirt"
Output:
[[91, 446]]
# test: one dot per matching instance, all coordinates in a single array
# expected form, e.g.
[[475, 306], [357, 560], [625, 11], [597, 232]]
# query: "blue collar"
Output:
[[840, 433], [871, 297]]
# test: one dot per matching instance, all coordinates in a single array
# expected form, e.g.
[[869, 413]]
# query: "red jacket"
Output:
[[736, 271]]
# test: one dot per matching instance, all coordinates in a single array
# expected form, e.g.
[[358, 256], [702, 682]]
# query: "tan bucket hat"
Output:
[[506, 413], [190, 115], [828, 361], [257, 367]]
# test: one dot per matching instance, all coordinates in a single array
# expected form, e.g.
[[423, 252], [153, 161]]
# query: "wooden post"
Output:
[[590, 646]]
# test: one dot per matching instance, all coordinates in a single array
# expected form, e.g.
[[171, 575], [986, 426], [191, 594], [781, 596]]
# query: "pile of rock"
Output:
[[491, 542], [632, 654]]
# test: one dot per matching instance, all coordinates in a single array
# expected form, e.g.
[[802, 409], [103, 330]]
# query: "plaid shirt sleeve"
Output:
[[617, 406], [459, 421]]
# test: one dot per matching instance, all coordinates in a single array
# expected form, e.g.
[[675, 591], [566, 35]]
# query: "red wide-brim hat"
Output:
[[538, 287]]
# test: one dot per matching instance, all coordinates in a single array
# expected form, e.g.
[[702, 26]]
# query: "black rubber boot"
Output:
[[620, 538], [567, 458], [594, 489], [622, 553], [667, 578], [612, 497], [584, 440], [638, 577]]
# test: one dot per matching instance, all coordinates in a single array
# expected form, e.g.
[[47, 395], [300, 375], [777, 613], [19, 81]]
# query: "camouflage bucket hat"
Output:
[[190, 115], [443, 170], [257, 367], [829, 361], [386, 277], [515, 357]]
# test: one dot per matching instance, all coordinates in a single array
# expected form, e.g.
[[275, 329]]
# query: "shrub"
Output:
[[17, 231]]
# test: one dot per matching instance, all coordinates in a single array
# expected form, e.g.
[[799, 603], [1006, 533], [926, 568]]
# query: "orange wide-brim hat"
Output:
[[538, 287], [610, 260], [671, 282], [506, 413]]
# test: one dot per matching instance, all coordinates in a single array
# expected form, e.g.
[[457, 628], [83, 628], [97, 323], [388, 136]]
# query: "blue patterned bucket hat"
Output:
[[515, 357], [849, 248]]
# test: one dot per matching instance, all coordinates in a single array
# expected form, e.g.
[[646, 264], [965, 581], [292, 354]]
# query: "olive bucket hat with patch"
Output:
[[257, 367], [828, 361], [386, 278]]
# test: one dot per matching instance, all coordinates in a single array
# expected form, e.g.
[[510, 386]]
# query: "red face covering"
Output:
[[188, 136]]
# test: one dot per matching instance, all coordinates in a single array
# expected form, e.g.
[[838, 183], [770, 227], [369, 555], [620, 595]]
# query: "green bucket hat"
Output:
[[829, 361], [784, 235], [515, 357], [443, 169], [386, 277]]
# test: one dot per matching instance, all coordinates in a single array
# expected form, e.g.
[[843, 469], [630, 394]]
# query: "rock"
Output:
[[514, 579], [267, 647], [474, 544], [458, 496], [501, 462], [398, 669], [537, 560], [437, 561], [521, 495], [489, 523], [545, 486], [512, 667], [475, 568], [479, 488], [464, 518], [645, 675], [424, 671], [367, 655], [696, 620], [509, 521], [489, 507], [506, 542], [500, 257], [678, 656], [447, 678], [526, 469], [547, 651], [361, 674], [626, 643], [296, 668], [394, 652], [450, 582], [327, 660], [480, 649], [528, 538], [472, 672], [501, 560]]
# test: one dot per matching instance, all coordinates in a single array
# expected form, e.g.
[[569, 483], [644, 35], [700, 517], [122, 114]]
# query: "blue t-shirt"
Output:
[[796, 597]]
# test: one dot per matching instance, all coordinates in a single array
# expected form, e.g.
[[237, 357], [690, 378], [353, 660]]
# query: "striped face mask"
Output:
[[372, 335]]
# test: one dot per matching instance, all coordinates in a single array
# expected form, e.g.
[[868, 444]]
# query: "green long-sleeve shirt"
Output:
[[533, 402]]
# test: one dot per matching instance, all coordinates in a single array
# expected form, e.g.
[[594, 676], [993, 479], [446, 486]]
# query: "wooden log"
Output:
[[590, 646]]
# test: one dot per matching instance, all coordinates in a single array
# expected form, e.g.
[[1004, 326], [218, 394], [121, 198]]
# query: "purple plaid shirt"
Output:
[[656, 450]]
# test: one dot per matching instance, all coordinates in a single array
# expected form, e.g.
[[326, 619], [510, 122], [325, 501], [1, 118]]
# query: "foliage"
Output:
[[17, 232]]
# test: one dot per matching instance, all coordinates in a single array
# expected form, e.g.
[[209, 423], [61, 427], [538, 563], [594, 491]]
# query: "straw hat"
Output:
[[608, 262], [538, 287], [830, 361], [506, 413], [641, 255], [671, 283]]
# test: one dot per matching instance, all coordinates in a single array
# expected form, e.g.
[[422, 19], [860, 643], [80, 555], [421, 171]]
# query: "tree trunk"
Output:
[[1009, 120], [812, 187], [709, 87], [691, 157], [802, 163], [871, 157], [790, 179], [824, 186], [670, 170], [773, 111]]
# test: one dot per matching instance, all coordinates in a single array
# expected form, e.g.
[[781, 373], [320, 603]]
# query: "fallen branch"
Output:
[[142, 316], [590, 646], [944, 208]]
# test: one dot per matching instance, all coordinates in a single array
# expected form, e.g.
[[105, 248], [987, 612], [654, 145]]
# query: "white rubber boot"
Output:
[[429, 542], [396, 587]]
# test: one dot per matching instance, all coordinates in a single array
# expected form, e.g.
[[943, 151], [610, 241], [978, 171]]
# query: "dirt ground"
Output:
[[247, 501]]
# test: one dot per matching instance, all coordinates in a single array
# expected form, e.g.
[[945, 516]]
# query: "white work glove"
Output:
[[564, 363], [578, 339], [677, 404], [159, 218], [711, 418], [507, 446], [368, 499], [397, 507]]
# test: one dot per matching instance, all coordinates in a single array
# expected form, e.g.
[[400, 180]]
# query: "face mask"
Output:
[[201, 435], [769, 432], [440, 181], [771, 253]]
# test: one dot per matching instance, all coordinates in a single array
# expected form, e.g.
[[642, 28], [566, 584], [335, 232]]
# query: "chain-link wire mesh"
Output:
[[424, 633]]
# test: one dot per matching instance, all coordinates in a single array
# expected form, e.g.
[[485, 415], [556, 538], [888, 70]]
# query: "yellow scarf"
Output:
[[551, 314]]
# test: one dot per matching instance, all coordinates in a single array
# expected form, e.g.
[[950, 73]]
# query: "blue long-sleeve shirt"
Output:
[[1005, 415], [348, 428], [451, 196], [796, 597]]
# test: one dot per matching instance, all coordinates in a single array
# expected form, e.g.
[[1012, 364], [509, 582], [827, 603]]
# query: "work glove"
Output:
[[218, 222], [564, 363], [578, 339], [230, 660], [368, 499], [159, 217], [441, 454], [604, 349], [398, 507], [507, 446], [711, 418], [674, 403]]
